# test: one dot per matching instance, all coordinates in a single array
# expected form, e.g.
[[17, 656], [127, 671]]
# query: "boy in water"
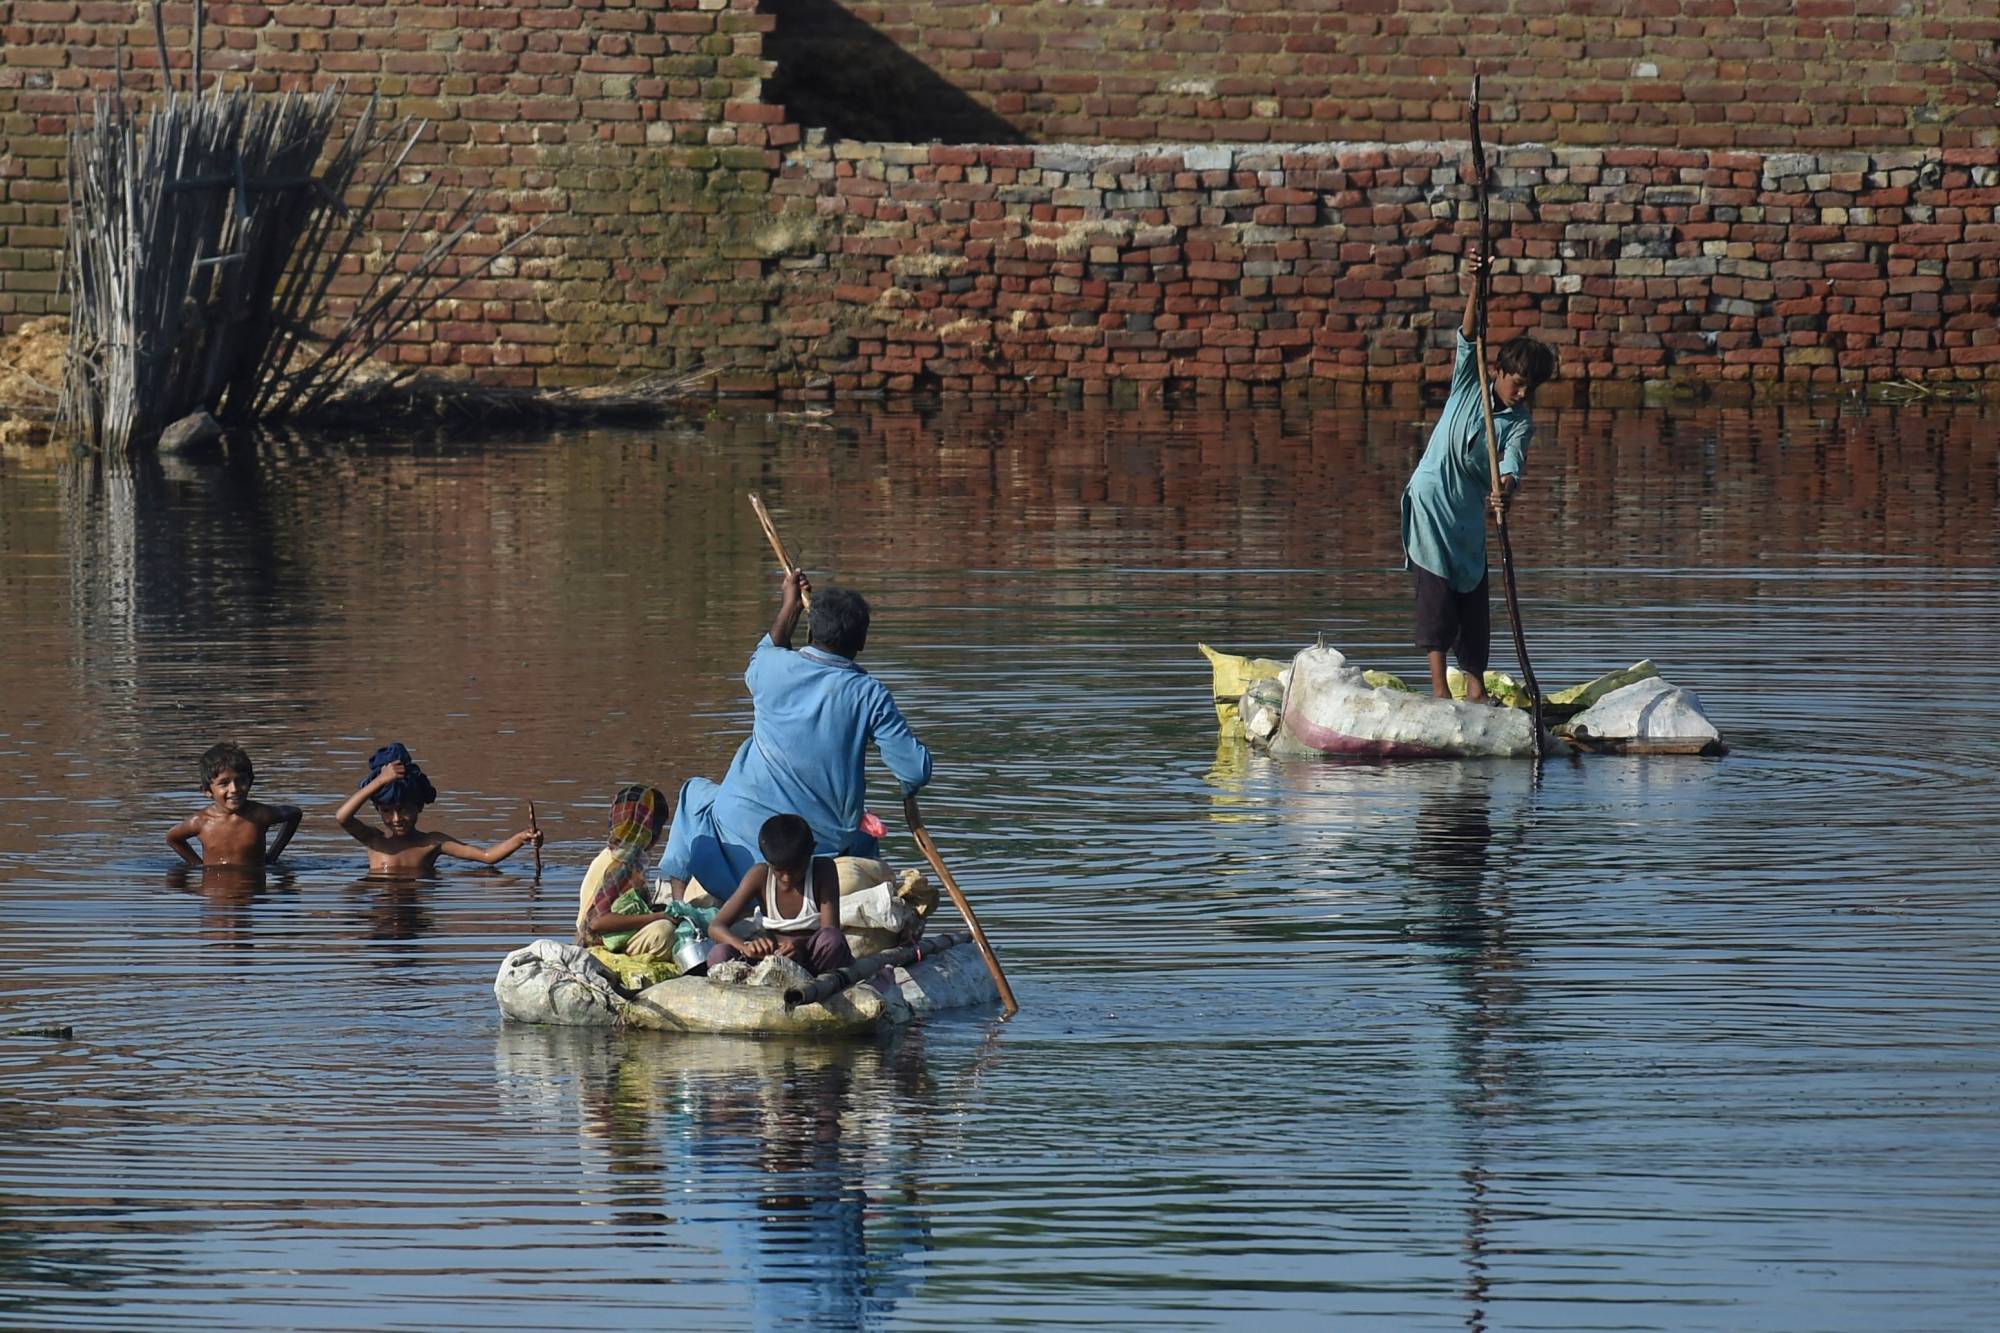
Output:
[[400, 792], [1444, 505], [231, 831], [796, 894]]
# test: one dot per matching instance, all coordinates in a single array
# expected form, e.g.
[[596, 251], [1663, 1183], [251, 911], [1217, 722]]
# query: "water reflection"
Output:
[[228, 894], [798, 1161], [36, 1256], [1463, 910], [179, 570], [390, 907]]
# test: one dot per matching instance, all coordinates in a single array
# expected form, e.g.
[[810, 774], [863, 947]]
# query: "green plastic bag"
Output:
[[629, 903], [691, 921]]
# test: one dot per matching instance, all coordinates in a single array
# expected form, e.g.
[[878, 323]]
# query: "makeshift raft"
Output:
[[556, 983], [1322, 704]]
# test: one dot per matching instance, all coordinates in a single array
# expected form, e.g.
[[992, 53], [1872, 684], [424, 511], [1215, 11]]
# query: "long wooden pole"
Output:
[[1008, 1005], [1483, 286], [916, 822], [778, 546]]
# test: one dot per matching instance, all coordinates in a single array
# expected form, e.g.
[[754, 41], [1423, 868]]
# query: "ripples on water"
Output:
[[1643, 1044]]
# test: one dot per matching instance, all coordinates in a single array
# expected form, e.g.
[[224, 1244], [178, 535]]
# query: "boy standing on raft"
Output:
[[1444, 505], [816, 713]]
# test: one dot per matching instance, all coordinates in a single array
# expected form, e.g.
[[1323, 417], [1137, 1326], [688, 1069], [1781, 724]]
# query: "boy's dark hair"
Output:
[[1533, 361], [225, 758], [840, 621], [786, 841]]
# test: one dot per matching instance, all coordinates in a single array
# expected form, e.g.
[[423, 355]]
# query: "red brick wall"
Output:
[[640, 133], [631, 129], [1764, 74], [1019, 268]]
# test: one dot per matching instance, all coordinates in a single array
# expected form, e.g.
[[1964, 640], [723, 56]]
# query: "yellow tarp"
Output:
[[1588, 693], [635, 974], [1233, 675]]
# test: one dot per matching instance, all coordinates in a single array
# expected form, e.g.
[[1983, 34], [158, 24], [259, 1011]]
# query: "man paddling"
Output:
[[816, 714], [1444, 505]]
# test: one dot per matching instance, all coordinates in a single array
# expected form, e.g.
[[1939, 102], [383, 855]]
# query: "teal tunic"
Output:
[[1444, 506]]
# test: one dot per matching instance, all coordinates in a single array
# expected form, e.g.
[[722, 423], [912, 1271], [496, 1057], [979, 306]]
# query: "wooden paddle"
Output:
[[778, 546], [533, 827], [917, 830], [930, 851], [1484, 282]]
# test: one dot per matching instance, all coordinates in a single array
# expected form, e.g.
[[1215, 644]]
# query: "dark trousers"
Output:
[[1461, 622]]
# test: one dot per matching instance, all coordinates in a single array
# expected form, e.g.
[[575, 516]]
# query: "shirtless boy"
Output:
[[231, 831], [400, 792]]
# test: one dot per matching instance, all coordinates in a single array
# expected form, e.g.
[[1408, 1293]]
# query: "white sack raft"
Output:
[[1329, 709], [1649, 717], [548, 982], [1322, 704]]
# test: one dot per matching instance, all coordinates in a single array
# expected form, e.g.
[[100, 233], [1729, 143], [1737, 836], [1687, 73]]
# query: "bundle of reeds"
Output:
[[174, 230], [202, 249]]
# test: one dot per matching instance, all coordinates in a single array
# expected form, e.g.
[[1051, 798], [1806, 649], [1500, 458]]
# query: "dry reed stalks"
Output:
[[202, 250]]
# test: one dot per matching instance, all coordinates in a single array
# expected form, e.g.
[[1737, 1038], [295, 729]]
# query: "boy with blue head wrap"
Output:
[[400, 792]]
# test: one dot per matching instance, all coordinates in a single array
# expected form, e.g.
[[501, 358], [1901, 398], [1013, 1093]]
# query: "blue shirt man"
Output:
[[816, 714]]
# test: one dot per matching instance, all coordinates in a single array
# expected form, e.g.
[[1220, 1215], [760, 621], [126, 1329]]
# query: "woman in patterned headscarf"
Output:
[[637, 816]]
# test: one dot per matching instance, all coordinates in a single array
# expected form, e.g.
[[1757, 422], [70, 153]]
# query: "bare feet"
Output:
[[1440, 679]]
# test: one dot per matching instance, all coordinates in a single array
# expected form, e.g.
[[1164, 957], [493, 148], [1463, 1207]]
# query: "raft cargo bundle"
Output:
[[1320, 703]]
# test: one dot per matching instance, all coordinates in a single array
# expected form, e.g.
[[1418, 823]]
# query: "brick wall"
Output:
[[1019, 268], [1760, 74], [631, 130], [686, 219]]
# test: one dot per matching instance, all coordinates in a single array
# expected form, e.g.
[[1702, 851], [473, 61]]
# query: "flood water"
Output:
[[1662, 1043]]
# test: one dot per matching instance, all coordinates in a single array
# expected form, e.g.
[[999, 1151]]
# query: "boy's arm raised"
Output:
[[289, 816], [493, 855], [348, 816], [177, 838], [1474, 262]]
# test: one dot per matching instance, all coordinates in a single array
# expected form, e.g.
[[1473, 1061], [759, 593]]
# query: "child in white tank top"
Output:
[[794, 894]]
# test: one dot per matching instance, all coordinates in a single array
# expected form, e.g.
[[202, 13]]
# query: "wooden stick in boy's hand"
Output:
[[533, 827]]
